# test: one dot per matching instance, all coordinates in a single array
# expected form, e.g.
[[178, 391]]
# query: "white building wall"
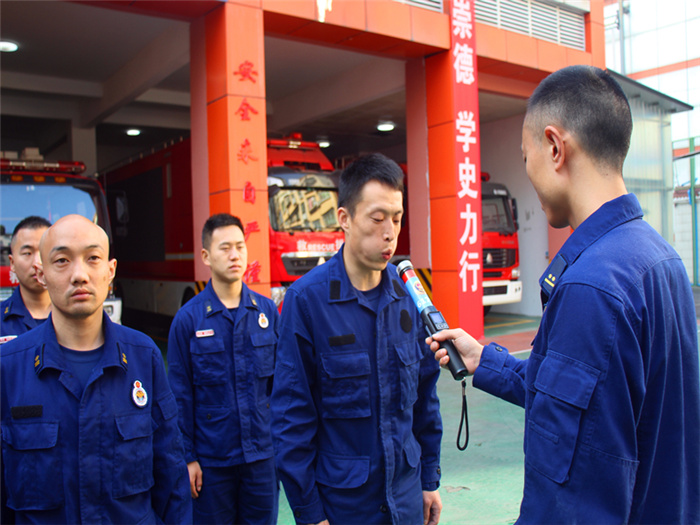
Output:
[[502, 158], [659, 34]]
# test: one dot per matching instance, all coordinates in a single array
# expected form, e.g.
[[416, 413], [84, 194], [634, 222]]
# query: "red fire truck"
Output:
[[501, 258], [151, 204], [31, 186]]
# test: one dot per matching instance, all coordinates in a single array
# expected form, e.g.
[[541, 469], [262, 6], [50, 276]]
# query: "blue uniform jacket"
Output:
[[355, 413], [221, 375], [95, 458], [612, 409], [15, 319]]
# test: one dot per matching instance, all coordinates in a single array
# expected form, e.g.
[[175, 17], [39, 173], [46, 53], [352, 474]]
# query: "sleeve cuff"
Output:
[[311, 513]]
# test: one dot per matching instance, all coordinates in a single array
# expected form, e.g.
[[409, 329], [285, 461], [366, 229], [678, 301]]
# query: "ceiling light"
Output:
[[323, 142], [385, 125], [133, 132], [8, 47]]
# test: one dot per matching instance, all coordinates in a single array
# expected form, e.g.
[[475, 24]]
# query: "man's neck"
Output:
[[360, 277], [228, 293], [38, 304], [79, 334]]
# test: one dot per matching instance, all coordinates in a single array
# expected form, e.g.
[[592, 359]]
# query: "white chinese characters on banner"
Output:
[[462, 19], [466, 127], [468, 201], [465, 266], [464, 63]]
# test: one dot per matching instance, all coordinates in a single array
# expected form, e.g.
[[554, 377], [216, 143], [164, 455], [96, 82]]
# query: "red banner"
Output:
[[468, 160]]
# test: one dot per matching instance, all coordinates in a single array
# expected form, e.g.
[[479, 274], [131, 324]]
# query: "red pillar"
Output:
[[455, 182], [236, 128]]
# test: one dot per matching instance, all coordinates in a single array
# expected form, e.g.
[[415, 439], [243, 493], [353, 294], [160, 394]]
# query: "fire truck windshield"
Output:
[[496, 215], [52, 201], [303, 209]]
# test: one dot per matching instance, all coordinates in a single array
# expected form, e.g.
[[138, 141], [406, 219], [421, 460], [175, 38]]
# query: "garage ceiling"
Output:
[[94, 66]]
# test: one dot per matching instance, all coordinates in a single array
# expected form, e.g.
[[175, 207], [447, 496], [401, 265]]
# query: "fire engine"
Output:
[[31, 186], [501, 257], [150, 200]]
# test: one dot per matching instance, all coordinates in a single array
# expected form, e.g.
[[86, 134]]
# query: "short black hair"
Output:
[[374, 166], [590, 104], [220, 220], [33, 222]]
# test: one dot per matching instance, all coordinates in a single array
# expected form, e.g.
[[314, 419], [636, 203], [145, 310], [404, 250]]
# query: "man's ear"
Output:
[[40, 274], [205, 256], [556, 146], [344, 218], [112, 270]]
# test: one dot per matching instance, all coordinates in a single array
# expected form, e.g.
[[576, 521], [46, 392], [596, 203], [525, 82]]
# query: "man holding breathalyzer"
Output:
[[610, 391], [355, 413]]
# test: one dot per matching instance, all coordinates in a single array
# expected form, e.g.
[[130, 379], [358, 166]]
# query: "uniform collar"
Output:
[[14, 305], [340, 289], [213, 305], [609, 216], [49, 355]]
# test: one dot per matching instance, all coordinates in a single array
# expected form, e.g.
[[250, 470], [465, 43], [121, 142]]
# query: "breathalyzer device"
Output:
[[433, 319]]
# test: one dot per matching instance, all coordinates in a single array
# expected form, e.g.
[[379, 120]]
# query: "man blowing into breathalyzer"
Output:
[[355, 414], [610, 391]]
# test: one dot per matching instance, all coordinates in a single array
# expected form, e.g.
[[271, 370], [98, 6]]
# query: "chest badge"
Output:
[[139, 395], [7, 338], [205, 333], [262, 321]]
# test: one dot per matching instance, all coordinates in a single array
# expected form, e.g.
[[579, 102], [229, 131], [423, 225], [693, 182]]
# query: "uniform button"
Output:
[[208, 416], [268, 405], [297, 514], [439, 471], [384, 509]]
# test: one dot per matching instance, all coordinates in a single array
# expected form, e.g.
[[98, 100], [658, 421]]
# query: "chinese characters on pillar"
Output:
[[467, 147], [247, 153]]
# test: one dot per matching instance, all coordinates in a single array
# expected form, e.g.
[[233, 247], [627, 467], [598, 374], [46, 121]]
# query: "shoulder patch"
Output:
[[406, 322], [398, 288], [335, 290]]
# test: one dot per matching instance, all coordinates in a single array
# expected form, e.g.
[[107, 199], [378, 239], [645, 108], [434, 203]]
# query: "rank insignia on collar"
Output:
[[124, 358], [139, 395], [262, 321], [37, 361]]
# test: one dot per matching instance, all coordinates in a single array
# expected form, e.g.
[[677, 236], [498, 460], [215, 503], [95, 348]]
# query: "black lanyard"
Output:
[[463, 419]]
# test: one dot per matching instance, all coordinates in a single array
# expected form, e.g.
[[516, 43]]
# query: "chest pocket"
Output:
[[264, 350], [345, 385], [563, 390], [409, 355], [31, 453], [208, 361], [133, 454]]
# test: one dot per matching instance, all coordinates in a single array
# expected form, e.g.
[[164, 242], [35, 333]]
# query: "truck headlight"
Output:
[[515, 274]]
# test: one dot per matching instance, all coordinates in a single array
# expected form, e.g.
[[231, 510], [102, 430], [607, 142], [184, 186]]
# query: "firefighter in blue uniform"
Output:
[[221, 357], [356, 419], [89, 423], [30, 304], [610, 391]]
